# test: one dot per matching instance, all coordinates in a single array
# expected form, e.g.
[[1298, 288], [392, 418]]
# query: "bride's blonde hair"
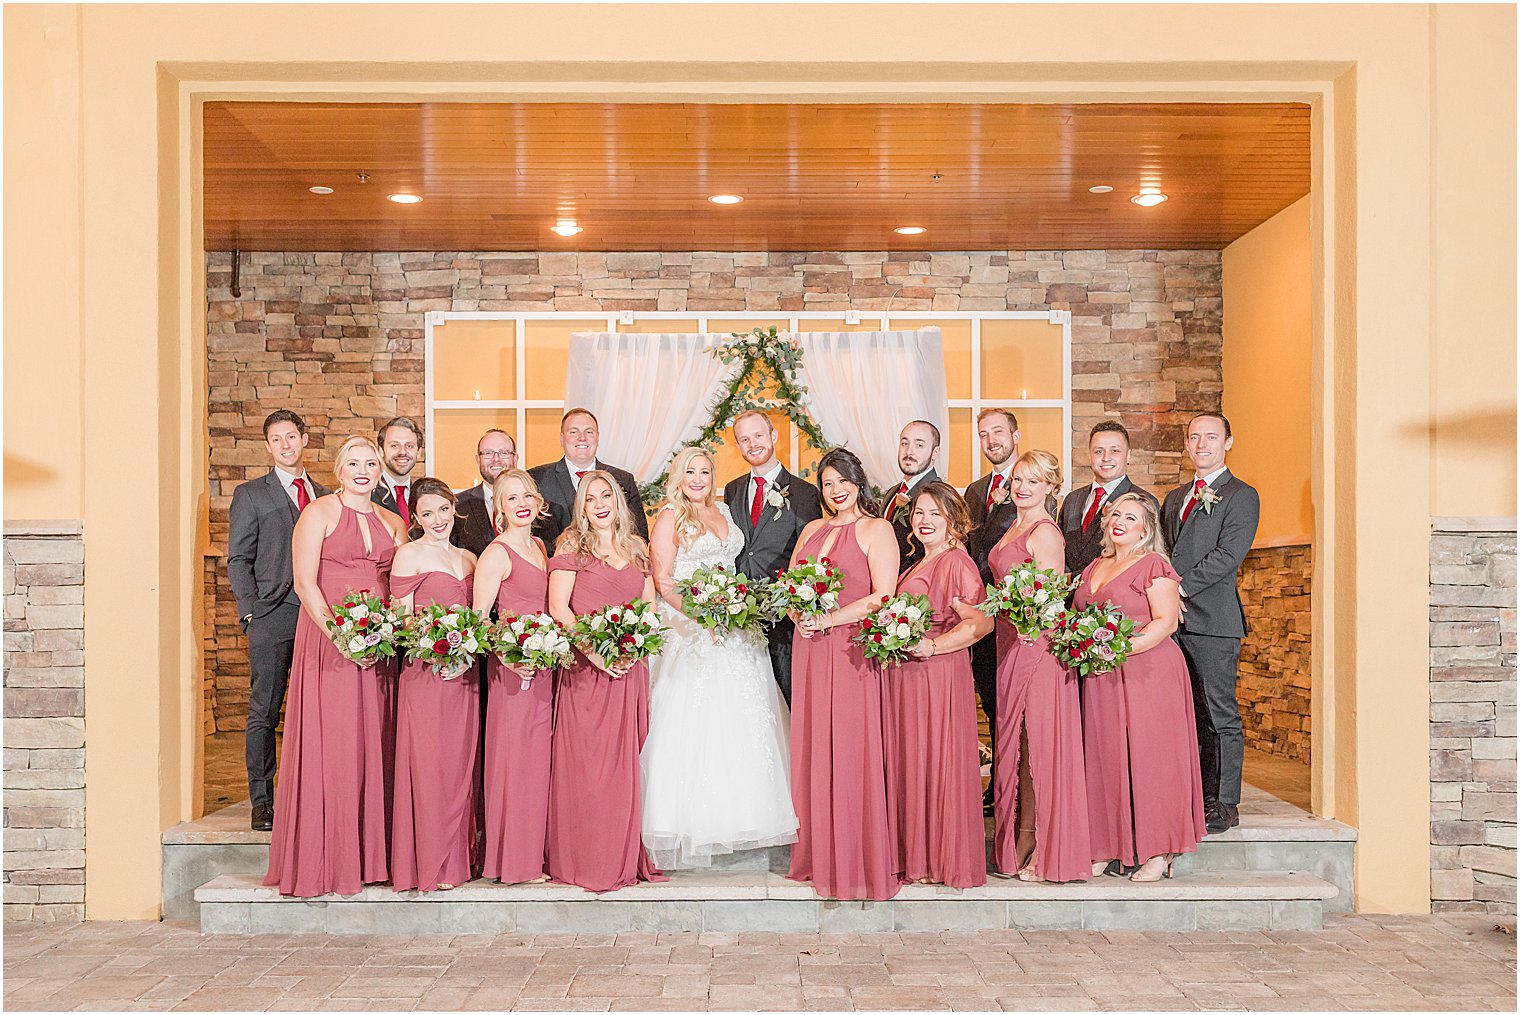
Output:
[[688, 513], [580, 538]]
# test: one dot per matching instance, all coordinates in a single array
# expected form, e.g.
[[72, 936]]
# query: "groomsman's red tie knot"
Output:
[[401, 506], [579, 473], [754, 509], [1198, 487], [1092, 511], [997, 481], [302, 497]]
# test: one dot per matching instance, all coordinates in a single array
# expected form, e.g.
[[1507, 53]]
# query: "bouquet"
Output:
[[630, 631], [449, 637], [811, 588], [1032, 598], [1094, 640], [529, 644], [899, 623], [723, 602], [365, 627]]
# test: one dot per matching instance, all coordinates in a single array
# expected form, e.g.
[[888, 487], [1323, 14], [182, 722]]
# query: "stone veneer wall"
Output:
[[44, 721], [1273, 686], [338, 338], [1472, 716]]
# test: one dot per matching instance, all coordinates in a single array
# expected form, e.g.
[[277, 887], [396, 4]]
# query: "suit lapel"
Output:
[[276, 489], [783, 483]]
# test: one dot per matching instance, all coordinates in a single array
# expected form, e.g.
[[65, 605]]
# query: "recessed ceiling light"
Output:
[[910, 230], [1148, 197], [725, 199], [404, 198], [565, 227], [320, 190], [1101, 188]]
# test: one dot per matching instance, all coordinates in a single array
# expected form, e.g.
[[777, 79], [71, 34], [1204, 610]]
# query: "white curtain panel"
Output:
[[650, 393], [863, 387]]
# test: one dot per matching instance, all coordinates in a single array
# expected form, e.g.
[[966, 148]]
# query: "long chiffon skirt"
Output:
[[433, 816], [519, 724]]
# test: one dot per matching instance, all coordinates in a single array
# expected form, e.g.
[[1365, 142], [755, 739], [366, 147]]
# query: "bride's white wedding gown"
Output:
[[715, 763]]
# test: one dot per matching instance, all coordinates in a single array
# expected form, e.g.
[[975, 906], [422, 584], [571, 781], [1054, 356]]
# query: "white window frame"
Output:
[[521, 404]]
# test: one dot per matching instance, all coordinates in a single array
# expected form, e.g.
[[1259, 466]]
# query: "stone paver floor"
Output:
[[1358, 963]]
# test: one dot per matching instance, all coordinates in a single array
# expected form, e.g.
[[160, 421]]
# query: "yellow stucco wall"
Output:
[[1268, 342], [1391, 85]]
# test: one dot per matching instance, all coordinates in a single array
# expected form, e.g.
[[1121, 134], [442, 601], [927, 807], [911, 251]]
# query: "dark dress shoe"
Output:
[[1221, 819], [987, 802], [263, 818]]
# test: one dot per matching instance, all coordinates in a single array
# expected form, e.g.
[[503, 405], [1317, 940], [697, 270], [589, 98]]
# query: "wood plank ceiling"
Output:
[[813, 177]]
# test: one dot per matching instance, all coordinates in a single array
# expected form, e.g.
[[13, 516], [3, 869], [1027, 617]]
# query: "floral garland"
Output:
[[766, 360]]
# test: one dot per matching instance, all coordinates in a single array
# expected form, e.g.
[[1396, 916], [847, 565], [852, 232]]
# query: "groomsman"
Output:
[[990, 501], [770, 506], [262, 518], [1210, 524], [1082, 511], [917, 451], [474, 528], [400, 446], [579, 436]]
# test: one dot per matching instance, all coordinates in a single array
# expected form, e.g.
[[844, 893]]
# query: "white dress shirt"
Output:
[[571, 470], [1108, 493], [288, 481], [769, 475], [391, 485]]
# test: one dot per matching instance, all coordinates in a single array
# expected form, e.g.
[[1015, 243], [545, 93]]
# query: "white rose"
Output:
[[597, 622], [829, 602], [359, 612], [913, 612], [638, 639], [356, 643], [736, 609], [806, 594], [387, 629], [471, 645], [535, 643], [450, 620], [650, 619], [1041, 597], [902, 630], [701, 596]]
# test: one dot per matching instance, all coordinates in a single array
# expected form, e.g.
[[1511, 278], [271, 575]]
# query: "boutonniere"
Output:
[[1207, 499], [779, 498], [1000, 496]]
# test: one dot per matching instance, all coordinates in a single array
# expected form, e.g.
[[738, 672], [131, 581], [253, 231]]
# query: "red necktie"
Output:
[[401, 509], [997, 481], [1187, 509], [754, 509], [1092, 512], [302, 497], [578, 475]]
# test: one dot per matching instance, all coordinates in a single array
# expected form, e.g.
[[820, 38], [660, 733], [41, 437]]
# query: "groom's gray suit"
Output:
[[768, 546]]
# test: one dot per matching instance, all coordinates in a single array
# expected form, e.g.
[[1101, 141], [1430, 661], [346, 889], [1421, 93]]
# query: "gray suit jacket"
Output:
[[768, 544], [553, 479], [987, 527], [1208, 551], [909, 550], [261, 520], [1082, 548]]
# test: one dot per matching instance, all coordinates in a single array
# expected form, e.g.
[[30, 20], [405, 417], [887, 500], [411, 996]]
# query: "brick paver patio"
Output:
[[1356, 963]]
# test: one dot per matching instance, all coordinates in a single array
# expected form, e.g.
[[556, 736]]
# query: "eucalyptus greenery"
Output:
[[765, 358]]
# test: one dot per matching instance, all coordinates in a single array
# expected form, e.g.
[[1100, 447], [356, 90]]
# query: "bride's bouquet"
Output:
[[811, 588], [448, 637], [899, 623], [365, 628], [723, 602], [1031, 598], [629, 631], [1094, 640], [531, 644]]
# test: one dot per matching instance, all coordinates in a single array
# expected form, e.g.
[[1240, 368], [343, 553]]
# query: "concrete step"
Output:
[[761, 900]]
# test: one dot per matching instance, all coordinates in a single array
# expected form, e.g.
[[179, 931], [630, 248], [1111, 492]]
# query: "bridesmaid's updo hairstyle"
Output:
[[424, 486], [844, 462], [951, 504], [498, 490], [1147, 510], [580, 538], [1040, 466], [689, 525], [343, 449]]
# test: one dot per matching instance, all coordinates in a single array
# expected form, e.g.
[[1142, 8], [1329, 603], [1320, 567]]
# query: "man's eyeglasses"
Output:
[[504, 455]]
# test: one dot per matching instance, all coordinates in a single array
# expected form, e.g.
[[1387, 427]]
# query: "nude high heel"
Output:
[[1147, 873]]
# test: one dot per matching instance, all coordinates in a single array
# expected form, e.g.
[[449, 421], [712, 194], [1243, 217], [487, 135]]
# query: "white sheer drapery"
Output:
[[863, 387], [650, 393]]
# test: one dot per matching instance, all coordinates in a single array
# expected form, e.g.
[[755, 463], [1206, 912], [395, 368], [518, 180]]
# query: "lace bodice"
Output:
[[709, 551]]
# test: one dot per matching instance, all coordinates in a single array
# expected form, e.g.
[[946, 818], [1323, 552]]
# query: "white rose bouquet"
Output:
[[811, 588], [723, 602], [365, 628], [1031, 598], [531, 644], [899, 623], [449, 637], [1094, 640], [630, 631]]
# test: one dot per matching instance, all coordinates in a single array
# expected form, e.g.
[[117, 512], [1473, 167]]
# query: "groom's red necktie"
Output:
[[302, 497], [754, 509], [1187, 509], [997, 481], [1093, 510], [399, 492]]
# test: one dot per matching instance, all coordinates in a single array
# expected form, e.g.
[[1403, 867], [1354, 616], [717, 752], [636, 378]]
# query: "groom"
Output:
[[770, 506]]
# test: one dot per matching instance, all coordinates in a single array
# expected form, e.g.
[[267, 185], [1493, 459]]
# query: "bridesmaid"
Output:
[[437, 719], [513, 578], [933, 772], [1040, 787], [601, 709], [1144, 792], [839, 784], [330, 801]]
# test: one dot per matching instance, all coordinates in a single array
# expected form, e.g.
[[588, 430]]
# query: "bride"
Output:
[[715, 764]]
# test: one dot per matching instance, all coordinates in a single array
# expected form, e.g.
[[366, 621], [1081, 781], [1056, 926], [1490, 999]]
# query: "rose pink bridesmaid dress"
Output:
[[1038, 702], [599, 728], [330, 799], [934, 777], [1144, 792], [437, 735], [519, 723], [839, 782]]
